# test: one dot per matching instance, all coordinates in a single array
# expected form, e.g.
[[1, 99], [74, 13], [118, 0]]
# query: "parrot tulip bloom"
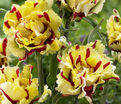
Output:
[[82, 8], [114, 33], [3, 57], [33, 26], [16, 87], [82, 68]]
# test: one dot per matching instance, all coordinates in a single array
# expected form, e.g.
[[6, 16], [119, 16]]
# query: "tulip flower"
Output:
[[33, 26], [3, 57], [16, 87], [82, 68], [113, 31], [82, 8]]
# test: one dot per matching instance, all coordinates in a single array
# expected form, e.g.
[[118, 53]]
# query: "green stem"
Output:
[[115, 62], [40, 73], [67, 21], [105, 93], [76, 100], [67, 27]]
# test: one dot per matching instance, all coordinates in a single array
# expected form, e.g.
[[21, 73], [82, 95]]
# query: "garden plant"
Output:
[[60, 52]]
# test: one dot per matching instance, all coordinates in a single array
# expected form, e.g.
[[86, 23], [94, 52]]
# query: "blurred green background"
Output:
[[113, 94]]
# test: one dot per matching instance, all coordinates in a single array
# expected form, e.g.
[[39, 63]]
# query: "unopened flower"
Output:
[[16, 87], [116, 56], [3, 57], [113, 30], [32, 26], [82, 8], [47, 92], [82, 68]]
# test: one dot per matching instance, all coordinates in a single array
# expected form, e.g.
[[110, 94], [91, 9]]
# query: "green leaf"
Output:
[[59, 99], [51, 79], [2, 10], [94, 32], [5, 4], [55, 97], [85, 40], [90, 21]]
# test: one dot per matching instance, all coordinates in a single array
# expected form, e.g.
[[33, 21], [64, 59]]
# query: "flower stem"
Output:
[[67, 21], [40, 73], [67, 27], [104, 97], [76, 100]]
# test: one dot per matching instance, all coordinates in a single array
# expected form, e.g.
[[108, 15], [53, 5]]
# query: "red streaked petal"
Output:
[[88, 88], [104, 66], [28, 53], [17, 72], [13, 9], [4, 45], [31, 67], [16, 34], [35, 4], [97, 65], [45, 28], [32, 102], [40, 16], [50, 39], [46, 16], [41, 49], [18, 15], [30, 81], [87, 53], [8, 97], [116, 18], [27, 97], [59, 60], [71, 57], [101, 88], [95, 1], [81, 15], [66, 79], [13, 79], [65, 95], [97, 81], [116, 78], [94, 45], [89, 91], [84, 74], [81, 79], [7, 24], [78, 59], [77, 47], [22, 59], [2, 70]]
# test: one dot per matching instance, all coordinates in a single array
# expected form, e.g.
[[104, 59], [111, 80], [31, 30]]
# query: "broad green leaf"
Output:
[[51, 79], [94, 32], [5, 4], [90, 21], [85, 40], [2, 10]]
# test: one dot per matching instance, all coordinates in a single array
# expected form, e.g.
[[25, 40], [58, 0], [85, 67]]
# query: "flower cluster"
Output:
[[16, 87], [34, 26], [3, 57], [82, 68], [20, 88], [82, 8], [113, 30], [31, 27]]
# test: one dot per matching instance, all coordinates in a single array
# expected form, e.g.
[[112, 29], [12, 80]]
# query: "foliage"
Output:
[[87, 26]]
